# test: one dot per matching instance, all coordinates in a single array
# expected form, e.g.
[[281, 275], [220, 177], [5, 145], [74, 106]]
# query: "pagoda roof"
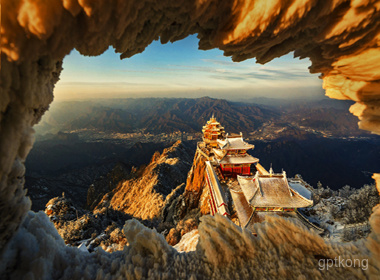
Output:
[[213, 122], [213, 129], [237, 159], [234, 143], [271, 190], [219, 154], [234, 135]]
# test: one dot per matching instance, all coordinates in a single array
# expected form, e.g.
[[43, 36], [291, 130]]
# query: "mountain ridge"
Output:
[[152, 187], [168, 115]]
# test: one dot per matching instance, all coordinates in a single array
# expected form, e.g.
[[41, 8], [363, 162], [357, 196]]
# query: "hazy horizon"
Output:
[[181, 70]]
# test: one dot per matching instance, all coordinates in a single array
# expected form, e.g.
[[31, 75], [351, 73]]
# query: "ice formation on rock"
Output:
[[341, 38], [282, 250], [188, 242]]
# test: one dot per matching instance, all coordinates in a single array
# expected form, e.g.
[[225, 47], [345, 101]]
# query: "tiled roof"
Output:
[[243, 209], [271, 191], [236, 143], [238, 159], [219, 154]]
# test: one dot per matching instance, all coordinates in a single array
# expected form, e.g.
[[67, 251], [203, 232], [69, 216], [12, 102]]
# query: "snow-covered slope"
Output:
[[144, 197]]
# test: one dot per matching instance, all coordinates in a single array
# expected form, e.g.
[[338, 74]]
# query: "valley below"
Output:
[[94, 171]]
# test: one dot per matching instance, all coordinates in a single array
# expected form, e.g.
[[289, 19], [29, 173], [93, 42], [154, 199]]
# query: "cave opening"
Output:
[[344, 48]]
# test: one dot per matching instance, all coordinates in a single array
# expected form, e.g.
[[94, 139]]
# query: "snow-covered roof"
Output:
[[243, 209], [238, 159], [219, 154], [271, 191], [235, 143]]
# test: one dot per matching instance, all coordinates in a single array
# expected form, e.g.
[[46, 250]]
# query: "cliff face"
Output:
[[144, 196], [194, 198], [125, 192], [196, 192]]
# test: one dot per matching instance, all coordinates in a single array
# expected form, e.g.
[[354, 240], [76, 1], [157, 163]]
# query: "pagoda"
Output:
[[212, 131], [232, 157]]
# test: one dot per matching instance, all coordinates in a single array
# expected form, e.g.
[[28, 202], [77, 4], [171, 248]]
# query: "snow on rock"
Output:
[[345, 48], [183, 227], [77, 227], [281, 250], [343, 213], [61, 208], [188, 242]]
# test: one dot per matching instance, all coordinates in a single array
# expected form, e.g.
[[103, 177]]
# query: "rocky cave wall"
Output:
[[340, 37]]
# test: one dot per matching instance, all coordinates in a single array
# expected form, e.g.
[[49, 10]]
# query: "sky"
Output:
[[181, 70]]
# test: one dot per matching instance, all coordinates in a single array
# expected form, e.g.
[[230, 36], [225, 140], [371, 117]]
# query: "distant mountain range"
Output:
[[167, 115], [155, 115]]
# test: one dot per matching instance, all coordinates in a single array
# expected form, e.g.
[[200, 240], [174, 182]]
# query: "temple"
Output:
[[212, 131], [232, 157], [243, 190]]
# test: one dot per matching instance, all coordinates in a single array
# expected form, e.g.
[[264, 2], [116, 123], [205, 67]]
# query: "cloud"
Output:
[[254, 75], [219, 62], [99, 84], [229, 77], [247, 73]]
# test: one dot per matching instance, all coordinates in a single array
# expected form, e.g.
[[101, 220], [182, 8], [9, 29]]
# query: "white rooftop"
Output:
[[219, 154], [235, 143], [271, 191], [238, 159]]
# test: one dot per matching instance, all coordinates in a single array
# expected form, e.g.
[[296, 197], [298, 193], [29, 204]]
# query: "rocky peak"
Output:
[[144, 196], [86, 229], [61, 208]]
